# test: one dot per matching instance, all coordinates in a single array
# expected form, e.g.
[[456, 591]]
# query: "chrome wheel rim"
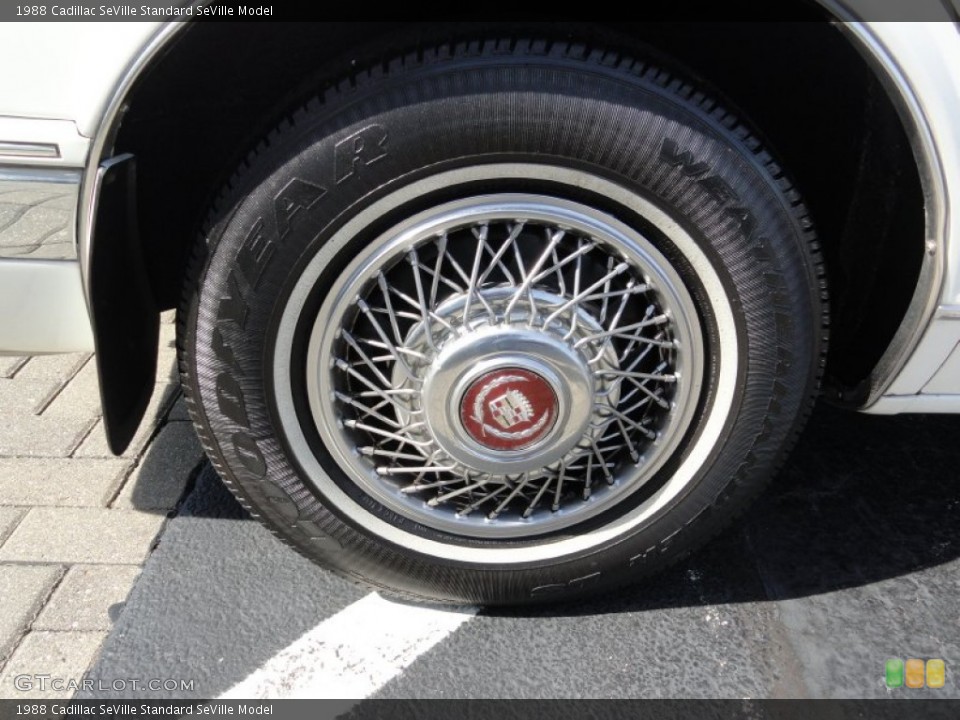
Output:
[[547, 322]]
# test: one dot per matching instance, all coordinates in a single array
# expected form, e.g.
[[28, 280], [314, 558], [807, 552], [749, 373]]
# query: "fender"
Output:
[[927, 107]]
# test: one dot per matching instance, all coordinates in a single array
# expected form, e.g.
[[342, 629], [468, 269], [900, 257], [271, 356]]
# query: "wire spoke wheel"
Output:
[[506, 366], [503, 321]]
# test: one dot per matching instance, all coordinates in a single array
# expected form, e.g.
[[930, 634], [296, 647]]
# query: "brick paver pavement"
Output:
[[77, 523]]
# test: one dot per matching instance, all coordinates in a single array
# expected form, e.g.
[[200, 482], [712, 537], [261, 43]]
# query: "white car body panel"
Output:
[[71, 79], [66, 71], [43, 307], [54, 92]]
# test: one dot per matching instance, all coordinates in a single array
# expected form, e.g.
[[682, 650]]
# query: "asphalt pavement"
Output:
[[850, 559]]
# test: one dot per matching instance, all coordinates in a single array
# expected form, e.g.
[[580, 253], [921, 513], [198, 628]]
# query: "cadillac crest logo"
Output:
[[508, 409]]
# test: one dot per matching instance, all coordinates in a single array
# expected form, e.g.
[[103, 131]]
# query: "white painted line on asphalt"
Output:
[[352, 654]]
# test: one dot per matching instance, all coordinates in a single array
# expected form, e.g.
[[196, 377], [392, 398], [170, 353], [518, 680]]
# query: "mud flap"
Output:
[[126, 320]]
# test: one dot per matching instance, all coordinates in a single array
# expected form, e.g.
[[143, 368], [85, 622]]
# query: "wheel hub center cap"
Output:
[[506, 399], [509, 409]]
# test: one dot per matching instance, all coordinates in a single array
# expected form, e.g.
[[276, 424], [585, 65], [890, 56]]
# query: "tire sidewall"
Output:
[[335, 159]]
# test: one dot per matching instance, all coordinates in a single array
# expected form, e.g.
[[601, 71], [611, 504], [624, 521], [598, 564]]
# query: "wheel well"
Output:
[[220, 87]]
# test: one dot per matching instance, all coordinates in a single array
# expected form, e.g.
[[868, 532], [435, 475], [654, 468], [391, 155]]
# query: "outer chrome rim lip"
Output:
[[552, 211], [725, 357]]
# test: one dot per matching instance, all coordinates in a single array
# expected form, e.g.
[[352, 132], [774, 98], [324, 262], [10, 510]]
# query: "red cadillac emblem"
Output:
[[508, 409]]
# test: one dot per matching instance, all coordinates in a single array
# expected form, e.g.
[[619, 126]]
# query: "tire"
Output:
[[503, 322]]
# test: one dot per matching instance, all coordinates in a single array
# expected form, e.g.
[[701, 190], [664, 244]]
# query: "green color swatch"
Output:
[[894, 673]]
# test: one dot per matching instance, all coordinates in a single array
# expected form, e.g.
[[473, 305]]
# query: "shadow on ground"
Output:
[[861, 500], [173, 459]]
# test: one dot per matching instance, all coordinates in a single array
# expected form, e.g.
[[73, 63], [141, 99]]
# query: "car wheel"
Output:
[[503, 321]]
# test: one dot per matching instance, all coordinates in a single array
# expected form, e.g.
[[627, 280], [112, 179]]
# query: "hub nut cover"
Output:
[[509, 409]]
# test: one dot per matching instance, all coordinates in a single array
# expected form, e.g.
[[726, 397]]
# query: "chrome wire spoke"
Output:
[[483, 499], [544, 486], [530, 275], [516, 491], [496, 258], [422, 298], [537, 292], [580, 296], [622, 331], [372, 451], [432, 485]]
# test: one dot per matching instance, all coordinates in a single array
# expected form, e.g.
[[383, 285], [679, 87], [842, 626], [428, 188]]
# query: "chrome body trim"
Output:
[[38, 213], [897, 404], [28, 150], [948, 312], [51, 176], [41, 143]]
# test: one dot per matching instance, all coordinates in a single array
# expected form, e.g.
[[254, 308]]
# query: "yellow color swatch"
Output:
[[914, 673], [936, 673]]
